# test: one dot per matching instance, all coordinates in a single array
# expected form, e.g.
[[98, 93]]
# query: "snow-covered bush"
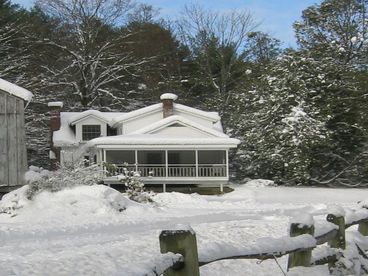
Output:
[[131, 179], [13, 201], [110, 169], [134, 186], [352, 262], [69, 175], [35, 173]]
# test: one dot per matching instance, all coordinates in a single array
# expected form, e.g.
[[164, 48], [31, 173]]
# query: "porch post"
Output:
[[166, 165], [227, 163], [103, 157], [196, 157], [99, 157], [136, 160]]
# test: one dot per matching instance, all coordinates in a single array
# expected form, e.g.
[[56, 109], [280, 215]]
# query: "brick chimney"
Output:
[[54, 108], [168, 104]]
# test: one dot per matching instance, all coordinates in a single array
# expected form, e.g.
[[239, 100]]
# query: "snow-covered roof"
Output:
[[106, 117], [15, 90], [168, 96], [178, 119], [212, 116], [137, 113], [65, 135], [55, 104], [162, 140]]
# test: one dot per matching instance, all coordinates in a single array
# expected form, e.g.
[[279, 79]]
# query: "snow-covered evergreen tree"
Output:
[[295, 120], [337, 29]]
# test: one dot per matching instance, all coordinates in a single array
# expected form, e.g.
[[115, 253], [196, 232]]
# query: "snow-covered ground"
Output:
[[97, 231]]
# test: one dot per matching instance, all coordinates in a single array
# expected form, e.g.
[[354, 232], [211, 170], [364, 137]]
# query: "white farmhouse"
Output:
[[168, 143]]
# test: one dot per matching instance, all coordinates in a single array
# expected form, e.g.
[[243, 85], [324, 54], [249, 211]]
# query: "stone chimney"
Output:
[[168, 104], [54, 155]]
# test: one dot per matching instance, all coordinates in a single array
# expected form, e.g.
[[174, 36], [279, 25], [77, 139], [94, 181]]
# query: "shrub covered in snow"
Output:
[[131, 179], [67, 176], [134, 186], [35, 173], [78, 203], [352, 262], [13, 201]]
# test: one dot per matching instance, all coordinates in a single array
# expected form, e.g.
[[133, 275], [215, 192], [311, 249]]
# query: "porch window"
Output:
[[122, 159], [151, 157], [212, 163], [119, 157], [181, 163], [207, 157], [181, 157], [90, 132], [152, 163]]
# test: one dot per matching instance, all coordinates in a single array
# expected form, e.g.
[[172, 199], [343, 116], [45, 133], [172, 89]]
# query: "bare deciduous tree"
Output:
[[13, 59], [217, 41], [92, 58]]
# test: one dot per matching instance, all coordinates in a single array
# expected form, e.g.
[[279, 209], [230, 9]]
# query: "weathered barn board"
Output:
[[3, 141], [13, 162], [22, 153]]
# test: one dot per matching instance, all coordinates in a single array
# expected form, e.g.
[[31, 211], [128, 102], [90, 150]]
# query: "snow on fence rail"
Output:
[[301, 246]]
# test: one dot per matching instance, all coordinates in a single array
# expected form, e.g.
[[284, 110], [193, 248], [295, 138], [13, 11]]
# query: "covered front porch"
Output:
[[172, 166]]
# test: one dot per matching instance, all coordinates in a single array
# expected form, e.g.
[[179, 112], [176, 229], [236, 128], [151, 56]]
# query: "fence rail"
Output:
[[299, 246]]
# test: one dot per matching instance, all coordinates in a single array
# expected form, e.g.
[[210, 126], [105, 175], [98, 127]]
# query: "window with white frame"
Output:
[[90, 132]]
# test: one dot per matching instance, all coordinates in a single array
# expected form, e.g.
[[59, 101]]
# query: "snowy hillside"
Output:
[[95, 230]]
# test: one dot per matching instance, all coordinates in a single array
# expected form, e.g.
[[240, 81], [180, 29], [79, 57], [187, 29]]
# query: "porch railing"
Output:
[[175, 170]]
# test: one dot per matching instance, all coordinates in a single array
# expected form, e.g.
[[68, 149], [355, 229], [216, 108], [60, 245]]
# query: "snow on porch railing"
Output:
[[302, 246], [175, 170]]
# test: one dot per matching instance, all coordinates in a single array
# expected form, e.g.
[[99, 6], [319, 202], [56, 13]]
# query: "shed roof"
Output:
[[15, 90]]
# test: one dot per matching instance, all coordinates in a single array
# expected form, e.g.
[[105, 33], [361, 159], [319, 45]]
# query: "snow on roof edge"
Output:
[[176, 118], [214, 116], [154, 139], [15, 90], [136, 113], [88, 113], [208, 114]]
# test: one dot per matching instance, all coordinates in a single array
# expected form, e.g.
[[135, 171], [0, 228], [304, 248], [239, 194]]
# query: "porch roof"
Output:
[[162, 140]]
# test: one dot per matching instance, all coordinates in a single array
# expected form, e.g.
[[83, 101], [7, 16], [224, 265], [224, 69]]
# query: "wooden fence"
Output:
[[302, 242]]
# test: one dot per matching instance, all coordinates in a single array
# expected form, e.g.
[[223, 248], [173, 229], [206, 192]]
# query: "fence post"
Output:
[[300, 258], [363, 226], [183, 242], [339, 240]]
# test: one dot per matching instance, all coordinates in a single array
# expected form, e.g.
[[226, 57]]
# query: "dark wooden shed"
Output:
[[13, 154]]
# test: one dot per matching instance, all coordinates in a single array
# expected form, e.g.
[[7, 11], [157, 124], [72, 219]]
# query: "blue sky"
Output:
[[276, 16]]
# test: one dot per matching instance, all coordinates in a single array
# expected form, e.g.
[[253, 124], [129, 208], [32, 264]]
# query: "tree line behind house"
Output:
[[300, 113]]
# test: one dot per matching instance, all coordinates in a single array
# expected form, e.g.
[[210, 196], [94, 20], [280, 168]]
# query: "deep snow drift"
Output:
[[95, 230]]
